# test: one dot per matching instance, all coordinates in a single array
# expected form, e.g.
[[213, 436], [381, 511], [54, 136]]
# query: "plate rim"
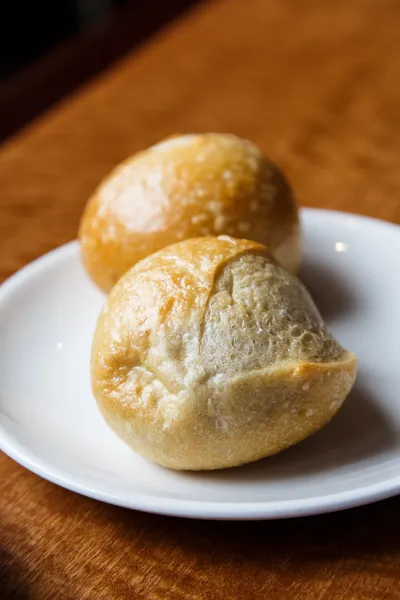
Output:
[[178, 507]]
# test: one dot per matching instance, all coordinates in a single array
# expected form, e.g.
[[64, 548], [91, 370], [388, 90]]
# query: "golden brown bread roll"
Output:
[[208, 354], [185, 187]]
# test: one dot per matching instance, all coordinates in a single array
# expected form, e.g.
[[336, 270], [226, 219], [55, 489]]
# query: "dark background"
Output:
[[31, 28], [49, 47]]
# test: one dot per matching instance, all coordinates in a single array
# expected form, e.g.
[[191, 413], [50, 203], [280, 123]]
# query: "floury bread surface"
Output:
[[208, 354]]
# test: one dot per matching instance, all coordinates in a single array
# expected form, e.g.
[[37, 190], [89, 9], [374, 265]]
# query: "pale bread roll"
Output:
[[187, 186], [208, 354]]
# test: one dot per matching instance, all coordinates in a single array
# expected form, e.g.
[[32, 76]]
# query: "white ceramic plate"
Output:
[[49, 421]]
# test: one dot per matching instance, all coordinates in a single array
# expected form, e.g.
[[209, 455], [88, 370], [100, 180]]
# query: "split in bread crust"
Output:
[[208, 354]]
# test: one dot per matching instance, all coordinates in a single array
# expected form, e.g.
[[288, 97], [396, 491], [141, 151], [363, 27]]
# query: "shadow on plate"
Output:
[[357, 433], [331, 291]]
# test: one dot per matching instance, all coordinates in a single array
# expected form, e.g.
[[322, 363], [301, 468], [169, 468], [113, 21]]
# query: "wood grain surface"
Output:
[[317, 85]]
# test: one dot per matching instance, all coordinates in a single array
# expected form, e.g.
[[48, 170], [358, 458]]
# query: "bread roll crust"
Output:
[[208, 354], [185, 187]]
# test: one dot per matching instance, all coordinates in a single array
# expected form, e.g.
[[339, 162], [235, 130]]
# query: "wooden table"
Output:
[[317, 85]]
